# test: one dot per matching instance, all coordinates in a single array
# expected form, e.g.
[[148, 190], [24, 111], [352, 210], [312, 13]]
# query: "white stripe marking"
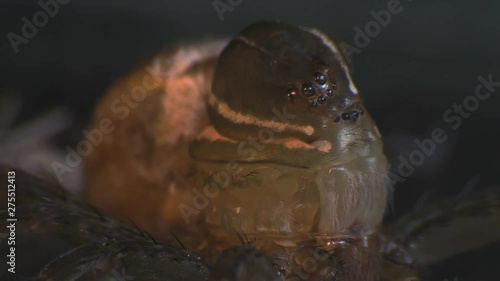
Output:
[[327, 42], [240, 118]]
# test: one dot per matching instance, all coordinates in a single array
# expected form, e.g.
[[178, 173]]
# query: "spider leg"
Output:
[[244, 263], [392, 271], [45, 207], [105, 248], [126, 260], [437, 232]]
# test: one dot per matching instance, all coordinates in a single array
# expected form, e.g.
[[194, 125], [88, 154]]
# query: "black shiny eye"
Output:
[[354, 115], [314, 103], [334, 86], [320, 77], [351, 116], [329, 92], [291, 95], [308, 90], [321, 100]]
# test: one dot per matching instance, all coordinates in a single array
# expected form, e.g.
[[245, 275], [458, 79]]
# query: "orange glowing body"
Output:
[[266, 137]]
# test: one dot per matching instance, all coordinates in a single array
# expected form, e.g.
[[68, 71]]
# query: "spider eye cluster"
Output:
[[316, 90]]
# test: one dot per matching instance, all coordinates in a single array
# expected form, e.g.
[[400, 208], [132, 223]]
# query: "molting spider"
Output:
[[248, 159]]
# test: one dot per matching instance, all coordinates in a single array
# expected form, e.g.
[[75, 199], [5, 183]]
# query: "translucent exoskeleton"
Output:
[[248, 159]]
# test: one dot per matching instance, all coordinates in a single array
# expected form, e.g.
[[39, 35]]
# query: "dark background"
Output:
[[427, 59]]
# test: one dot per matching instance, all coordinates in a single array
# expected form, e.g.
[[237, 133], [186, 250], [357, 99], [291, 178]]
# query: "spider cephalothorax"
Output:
[[312, 173]]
